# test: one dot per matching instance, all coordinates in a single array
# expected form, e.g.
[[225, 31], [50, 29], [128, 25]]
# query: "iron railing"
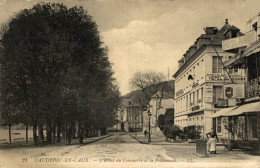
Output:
[[252, 88]]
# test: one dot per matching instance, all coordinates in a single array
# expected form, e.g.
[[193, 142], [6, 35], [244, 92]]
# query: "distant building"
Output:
[[200, 79], [129, 116], [159, 103], [134, 116]]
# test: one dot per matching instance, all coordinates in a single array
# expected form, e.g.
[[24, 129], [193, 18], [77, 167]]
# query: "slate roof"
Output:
[[216, 39], [164, 94]]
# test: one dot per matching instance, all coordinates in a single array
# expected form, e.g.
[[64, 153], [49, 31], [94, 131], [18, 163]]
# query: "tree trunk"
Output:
[[58, 133], [65, 131], [35, 133], [48, 136], [73, 130], [69, 133], [79, 128], [10, 134], [40, 132], [26, 132], [53, 132]]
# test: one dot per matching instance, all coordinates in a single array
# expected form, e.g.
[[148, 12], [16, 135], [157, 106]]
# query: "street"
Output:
[[113, 152]]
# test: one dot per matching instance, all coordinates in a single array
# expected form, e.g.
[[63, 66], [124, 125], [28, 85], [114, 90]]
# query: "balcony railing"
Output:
[[252, 88], [221, 103]]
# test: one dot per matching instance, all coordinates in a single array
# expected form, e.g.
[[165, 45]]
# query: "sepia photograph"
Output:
[[129, 83]]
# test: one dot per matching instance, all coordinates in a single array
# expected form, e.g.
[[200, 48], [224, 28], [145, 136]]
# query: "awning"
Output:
[[247, 108], [223, 111]]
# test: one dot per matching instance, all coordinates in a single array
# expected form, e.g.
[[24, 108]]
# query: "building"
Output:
[[200, 79], [129, 116], [159, 104], [243, 96], [134, 116], [122, 124]]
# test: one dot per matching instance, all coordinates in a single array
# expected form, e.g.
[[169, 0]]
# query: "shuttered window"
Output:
[[217, 64]]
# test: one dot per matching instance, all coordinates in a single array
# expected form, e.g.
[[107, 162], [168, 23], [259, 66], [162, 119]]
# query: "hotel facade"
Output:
[[200, 79]]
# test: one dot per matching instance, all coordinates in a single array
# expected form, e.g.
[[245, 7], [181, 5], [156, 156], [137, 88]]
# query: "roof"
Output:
[[129, 102], [163, 94], [216, 40]]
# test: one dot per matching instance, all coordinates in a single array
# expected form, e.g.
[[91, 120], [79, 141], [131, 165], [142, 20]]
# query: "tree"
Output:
[[147, 83], [56, 67], [161, 122]]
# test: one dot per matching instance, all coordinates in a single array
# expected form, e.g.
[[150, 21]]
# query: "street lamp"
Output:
[[149, 135]]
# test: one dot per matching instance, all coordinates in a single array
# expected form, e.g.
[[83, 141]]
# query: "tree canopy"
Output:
[[55, 67]]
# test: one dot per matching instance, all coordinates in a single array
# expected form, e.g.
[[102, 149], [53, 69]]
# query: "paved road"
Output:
[[119, 150]]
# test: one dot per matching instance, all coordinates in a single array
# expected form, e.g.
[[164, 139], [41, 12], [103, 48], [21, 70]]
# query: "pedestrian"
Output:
[[145, 133], [212, 141], [81, 135], [69, 134]]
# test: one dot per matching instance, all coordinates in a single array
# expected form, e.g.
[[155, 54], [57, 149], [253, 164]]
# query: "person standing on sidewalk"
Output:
[[145, 133], [81, 135], [212, 141]]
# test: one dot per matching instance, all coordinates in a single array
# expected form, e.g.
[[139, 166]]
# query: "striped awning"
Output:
[[246, 108], [223, 111]]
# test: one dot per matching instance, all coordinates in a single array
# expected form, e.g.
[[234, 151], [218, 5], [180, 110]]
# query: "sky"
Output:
[[150, 35]]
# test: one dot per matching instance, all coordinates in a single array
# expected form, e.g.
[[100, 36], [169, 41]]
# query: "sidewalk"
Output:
[[62, 143], [157, 140]]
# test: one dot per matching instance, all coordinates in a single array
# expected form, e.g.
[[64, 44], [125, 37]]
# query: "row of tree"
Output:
[[55, 72]]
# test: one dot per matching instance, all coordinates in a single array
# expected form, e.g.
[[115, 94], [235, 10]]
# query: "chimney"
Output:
[[226, 21], [193, 49], [181, 62], [211, 30]]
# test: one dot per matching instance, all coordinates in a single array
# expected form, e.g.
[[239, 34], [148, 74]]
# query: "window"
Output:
[[198, 97], [130, 117], [187, 102], [193, 99], [190, 100], [219, 125], [253, 123], [201, 95], [122, 117], [136, 117], [217, 93], [181, 105], [217, 64]]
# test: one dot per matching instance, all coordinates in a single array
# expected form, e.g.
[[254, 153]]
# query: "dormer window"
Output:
[[233, 33], [254, 26]]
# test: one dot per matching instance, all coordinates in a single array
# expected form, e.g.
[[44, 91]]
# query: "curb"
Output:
[[97, 139], [141, 142], [176, 144]]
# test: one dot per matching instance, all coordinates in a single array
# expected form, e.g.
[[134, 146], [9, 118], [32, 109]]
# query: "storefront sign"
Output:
[[222, 77], [195, 108], [208, 93], [180, 92], [195, 85], [237, 42], [229, 92], [234, 91]]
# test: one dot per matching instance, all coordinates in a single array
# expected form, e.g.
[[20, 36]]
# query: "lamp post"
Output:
[[149, 133]]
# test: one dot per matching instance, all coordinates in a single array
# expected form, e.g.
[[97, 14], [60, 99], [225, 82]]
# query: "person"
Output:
[[145, 133], [69, 133], [212, 141], [81, 135]]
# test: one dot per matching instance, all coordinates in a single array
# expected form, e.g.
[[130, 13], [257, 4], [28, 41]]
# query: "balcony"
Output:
[[252, 88], [221, 103]]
